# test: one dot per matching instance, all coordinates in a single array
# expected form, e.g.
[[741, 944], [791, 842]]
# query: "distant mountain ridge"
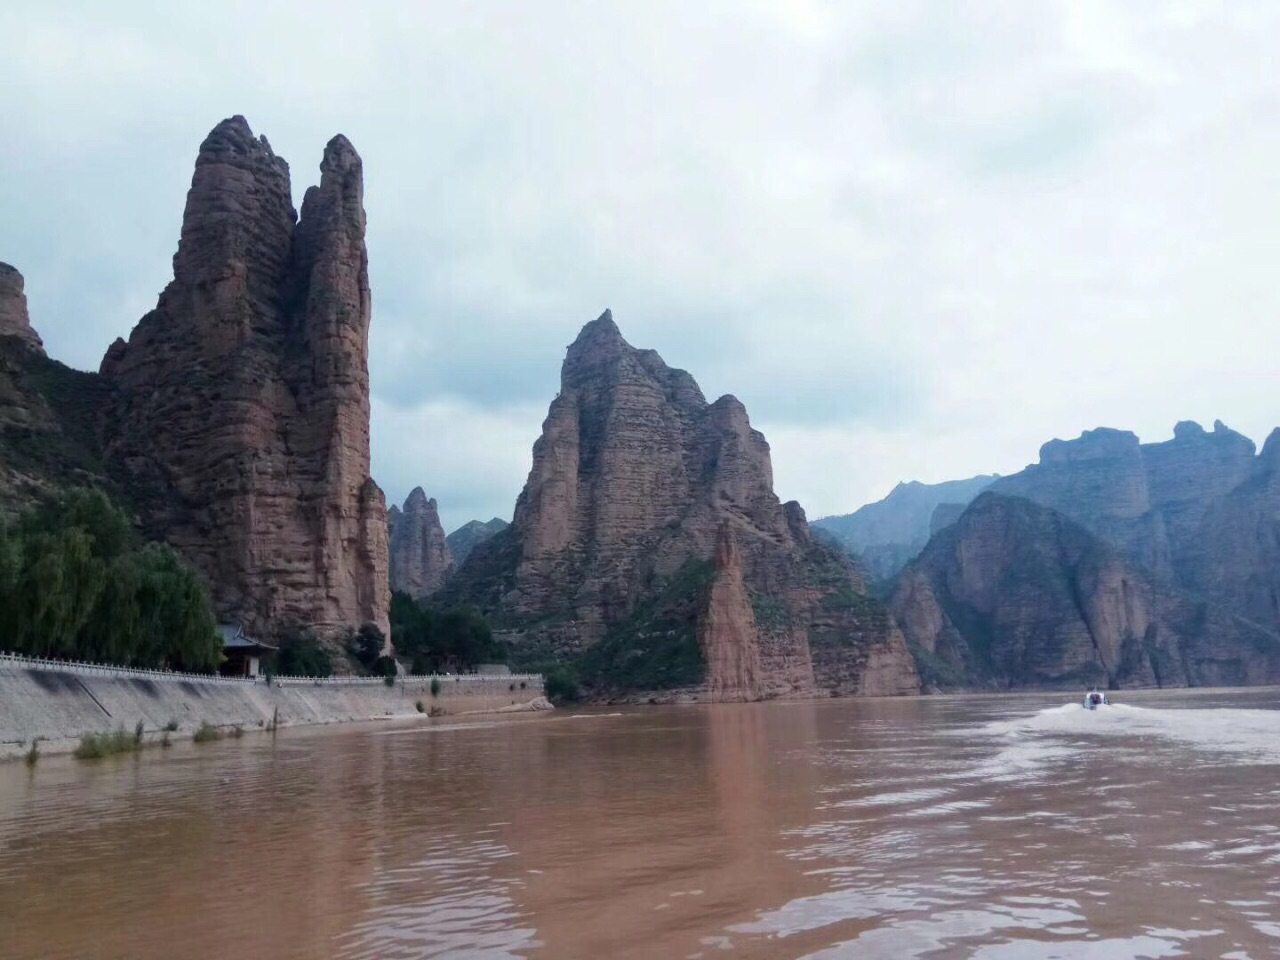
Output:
[[1200, 510], [1108, 561], [886, 534], [1016, 595], [465, 539]]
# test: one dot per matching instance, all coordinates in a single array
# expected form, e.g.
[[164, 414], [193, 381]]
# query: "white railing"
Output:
[[84, 668], [409, 680]]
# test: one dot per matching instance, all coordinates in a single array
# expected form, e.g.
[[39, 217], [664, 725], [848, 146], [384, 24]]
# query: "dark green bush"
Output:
[[561, 684]]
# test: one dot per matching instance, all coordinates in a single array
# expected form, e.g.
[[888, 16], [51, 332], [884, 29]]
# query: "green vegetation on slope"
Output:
[[54, 439], [76, 582], [655, 647]]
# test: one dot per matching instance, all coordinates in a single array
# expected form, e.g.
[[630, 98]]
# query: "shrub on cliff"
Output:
[[77, 582]]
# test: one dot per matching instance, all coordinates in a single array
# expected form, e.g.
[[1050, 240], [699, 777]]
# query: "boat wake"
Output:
[[1243, 736]]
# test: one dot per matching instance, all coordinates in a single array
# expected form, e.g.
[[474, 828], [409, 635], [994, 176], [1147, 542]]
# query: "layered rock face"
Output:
[[633, 478], [420, 557], [1237, 545], [1099, 480], [886, 534], [463, 540], [14, 320], [727, 629], [242, 412], [1017, 595], [1166, 505]]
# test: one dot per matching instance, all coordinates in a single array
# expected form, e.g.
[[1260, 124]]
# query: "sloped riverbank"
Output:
[[59, 703]]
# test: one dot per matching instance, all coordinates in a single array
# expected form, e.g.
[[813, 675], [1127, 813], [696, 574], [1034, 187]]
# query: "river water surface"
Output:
[[1006, 828]]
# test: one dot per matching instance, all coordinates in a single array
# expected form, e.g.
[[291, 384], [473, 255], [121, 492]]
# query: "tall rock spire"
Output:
[[244, 396], [420, 557]]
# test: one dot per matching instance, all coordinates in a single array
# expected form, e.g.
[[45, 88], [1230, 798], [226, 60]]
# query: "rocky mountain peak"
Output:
[[1099, 444], [1270, 456], [1188, 429], [1223, 437], [601, 330], [598, 350], [340, 157], [632, 479], [417, 502], [14, 319], [421, 560], [243, 397]]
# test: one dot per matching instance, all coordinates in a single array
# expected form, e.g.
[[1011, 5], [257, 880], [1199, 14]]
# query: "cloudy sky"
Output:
[[917, 239]]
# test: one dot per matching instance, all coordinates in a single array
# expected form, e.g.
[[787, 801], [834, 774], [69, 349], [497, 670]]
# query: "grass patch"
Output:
[[207, 732], [171, 726], [32, 756], [94, 746]]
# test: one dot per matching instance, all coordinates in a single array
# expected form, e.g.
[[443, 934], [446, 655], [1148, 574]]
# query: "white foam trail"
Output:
[[1246, 736]]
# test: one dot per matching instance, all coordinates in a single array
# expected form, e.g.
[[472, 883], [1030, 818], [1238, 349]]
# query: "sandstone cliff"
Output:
[[608, 559], [727, 629], [886, 534], [463, 540], [241, 418], [1016, 595], [14, 320], [420, 556]]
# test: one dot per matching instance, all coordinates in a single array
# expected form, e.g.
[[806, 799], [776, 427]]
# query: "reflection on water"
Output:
[[1012, 828]]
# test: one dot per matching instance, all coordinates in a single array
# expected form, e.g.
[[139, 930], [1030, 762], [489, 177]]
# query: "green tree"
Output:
[[300, 653], [561, 684], [75, 581], [365, 645]]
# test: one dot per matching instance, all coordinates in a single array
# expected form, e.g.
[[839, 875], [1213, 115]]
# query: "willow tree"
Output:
[[76, 581]]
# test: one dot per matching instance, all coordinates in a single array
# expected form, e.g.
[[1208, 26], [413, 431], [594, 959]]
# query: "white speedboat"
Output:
[[1094, 699]]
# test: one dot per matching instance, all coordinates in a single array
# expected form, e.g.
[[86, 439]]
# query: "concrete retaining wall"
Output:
[[61, 704]]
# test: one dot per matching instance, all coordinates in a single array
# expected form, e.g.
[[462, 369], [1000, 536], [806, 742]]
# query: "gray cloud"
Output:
[[915, 239]]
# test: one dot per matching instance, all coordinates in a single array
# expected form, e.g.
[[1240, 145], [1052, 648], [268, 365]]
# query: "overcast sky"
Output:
[[917, 239]]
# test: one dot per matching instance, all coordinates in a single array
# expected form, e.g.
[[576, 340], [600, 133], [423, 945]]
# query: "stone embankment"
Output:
[[61, 702]]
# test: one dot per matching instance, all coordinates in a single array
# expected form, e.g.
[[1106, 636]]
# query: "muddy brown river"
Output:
[[1003, 828]]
